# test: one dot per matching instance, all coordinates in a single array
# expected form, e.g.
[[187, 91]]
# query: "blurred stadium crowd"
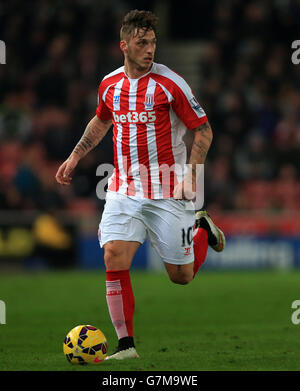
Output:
[[58, 52]]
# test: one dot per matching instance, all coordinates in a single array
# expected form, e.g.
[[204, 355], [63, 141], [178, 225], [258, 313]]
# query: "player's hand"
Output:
[[65, 171], [184, 191]]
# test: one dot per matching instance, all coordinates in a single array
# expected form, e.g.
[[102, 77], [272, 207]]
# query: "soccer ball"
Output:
[[85, 344]]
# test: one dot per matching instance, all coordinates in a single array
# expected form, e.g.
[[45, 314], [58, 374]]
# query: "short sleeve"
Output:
[[186, 106], [102, 110]]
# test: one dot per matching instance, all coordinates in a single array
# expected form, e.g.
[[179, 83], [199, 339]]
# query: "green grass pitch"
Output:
[[220, 321]]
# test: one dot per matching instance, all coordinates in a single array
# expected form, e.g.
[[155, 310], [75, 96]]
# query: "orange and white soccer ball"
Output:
[[85, 344]]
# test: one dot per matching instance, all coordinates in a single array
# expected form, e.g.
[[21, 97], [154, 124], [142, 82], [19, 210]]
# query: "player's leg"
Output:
[[118, 254], [181, 242], [180, 274], [184, 273], [170, 224], [205, 233], [118, 257], [121, 233], [200, 246]]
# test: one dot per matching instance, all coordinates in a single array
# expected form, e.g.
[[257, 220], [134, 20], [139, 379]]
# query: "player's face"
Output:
[[140, 49]]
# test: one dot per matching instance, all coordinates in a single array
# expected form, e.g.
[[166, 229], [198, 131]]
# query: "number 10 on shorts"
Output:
[[187, 236]]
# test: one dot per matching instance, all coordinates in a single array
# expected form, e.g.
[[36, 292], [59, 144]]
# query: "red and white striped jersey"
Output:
[[150, 116]]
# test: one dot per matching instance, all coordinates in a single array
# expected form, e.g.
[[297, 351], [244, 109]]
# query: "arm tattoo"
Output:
[[83, 146], [204, 129], [201, 144], [93, 134], [200, 147]]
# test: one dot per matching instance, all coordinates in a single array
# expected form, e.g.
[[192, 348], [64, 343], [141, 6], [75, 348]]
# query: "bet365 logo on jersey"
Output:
[[134, 117]]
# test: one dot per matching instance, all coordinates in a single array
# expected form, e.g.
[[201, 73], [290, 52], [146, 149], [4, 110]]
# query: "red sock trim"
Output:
[[200, 248], [112, 275]]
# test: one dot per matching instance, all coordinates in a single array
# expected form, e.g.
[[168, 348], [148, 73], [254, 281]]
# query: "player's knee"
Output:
[[112, 258], [181, 279]]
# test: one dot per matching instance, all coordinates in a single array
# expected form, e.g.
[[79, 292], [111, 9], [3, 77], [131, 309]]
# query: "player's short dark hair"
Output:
[[140, 20]]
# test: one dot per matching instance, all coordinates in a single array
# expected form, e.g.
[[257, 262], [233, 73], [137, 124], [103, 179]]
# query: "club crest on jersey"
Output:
[[149, 101], [116, 99]]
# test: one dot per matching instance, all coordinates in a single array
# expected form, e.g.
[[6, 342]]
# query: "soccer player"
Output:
[[151, 107]]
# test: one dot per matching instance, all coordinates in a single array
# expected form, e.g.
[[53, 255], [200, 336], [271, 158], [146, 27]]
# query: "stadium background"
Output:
[[235, 54], [237, 58]]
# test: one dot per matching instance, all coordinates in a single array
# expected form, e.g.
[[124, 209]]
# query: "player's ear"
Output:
[[123, 46]]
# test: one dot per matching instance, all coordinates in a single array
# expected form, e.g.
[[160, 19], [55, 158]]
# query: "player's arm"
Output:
[[189, 110], [203, 136], [93, 134]]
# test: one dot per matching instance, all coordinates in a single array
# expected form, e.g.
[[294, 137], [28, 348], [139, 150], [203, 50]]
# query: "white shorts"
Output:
[[168, 223]]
